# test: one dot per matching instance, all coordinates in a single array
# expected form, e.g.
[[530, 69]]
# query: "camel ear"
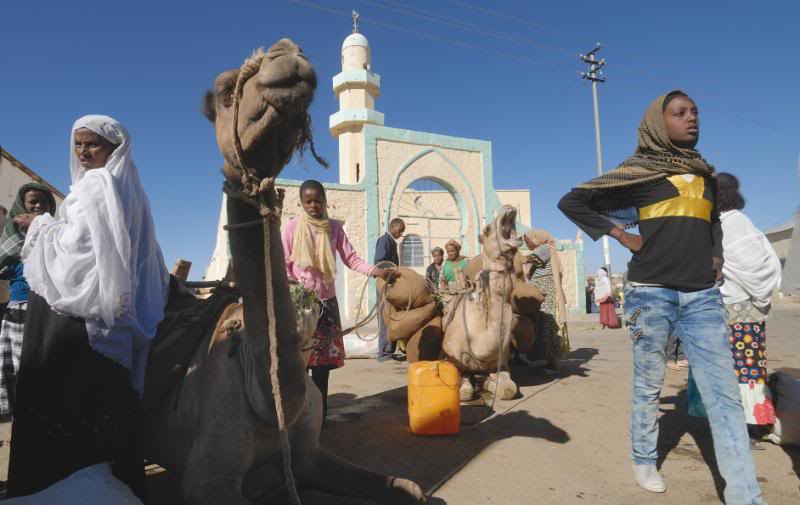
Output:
[[210, 106]]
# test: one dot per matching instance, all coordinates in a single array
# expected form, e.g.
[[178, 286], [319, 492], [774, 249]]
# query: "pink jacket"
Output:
[[311, 277]]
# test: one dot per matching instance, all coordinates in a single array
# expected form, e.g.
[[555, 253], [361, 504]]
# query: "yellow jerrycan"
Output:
[[433, 404]]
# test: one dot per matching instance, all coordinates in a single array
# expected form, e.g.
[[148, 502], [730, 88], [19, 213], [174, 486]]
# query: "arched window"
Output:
[[411, 251]]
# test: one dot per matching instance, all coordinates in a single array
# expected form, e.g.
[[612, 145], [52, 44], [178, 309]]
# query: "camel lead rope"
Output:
[[268, 214], [265, 191]]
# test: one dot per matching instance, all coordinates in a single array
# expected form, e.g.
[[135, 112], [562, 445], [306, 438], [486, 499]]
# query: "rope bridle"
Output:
[[261, 193]]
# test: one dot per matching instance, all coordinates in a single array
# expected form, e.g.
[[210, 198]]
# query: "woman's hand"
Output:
[[630, 241], [24, 221], [385, 274], [716, 264]]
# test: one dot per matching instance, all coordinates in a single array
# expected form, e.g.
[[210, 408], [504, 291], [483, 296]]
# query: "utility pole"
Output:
[[595, 75]]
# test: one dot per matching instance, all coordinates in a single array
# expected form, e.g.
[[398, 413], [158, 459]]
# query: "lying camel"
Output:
[[478, 321], [218, 428]]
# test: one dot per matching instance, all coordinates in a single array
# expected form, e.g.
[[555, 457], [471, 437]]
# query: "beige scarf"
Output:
[[656, 157], [311, 247], [540, 237]]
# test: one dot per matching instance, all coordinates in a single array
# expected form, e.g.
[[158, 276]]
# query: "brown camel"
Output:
[[479, 322], [218, 429]]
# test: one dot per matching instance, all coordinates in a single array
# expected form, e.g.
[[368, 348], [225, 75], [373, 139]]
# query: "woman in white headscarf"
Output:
[[98, 289]]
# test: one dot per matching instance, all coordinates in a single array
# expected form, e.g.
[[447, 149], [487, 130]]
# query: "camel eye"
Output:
[[226, 98]]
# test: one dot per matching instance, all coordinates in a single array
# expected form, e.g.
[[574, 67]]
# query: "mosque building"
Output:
[[441, 186]]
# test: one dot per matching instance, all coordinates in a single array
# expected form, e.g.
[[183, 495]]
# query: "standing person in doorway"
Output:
[[677, 261], [386, 252], [434, 272], [455, 261], [310, 244], [604, 298]]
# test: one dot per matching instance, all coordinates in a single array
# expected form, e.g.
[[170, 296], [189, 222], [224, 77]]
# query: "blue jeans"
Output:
[[698, 319]]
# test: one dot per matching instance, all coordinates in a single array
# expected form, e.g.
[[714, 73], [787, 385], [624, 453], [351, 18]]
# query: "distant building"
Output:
[[781, 238], [787, 244], [13, 174]]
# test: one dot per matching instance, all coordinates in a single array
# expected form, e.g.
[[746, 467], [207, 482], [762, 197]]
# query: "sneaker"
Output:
[[673, 365], [648, 477]]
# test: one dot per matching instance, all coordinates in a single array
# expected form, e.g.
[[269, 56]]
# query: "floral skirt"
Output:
[[328, 344], [749, 348]]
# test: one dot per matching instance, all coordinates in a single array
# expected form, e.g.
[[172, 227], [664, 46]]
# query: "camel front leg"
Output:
[[214, 474], [333, 475]]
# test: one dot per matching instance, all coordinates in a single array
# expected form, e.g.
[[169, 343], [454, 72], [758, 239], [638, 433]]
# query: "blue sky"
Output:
[[510, 77]]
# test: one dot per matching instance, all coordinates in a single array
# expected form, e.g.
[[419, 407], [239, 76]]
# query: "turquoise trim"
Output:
[[364, 78], [373, 133], [463, 206], [327, 185], [580, 275], [347, 117]]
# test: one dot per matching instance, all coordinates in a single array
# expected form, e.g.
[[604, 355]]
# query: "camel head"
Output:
[[273, 120], [500, 240]]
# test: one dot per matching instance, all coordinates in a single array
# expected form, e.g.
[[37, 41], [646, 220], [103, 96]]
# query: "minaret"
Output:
[[356, 87]]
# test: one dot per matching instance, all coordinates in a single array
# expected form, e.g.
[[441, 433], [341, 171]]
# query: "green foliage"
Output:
[[302, 298]]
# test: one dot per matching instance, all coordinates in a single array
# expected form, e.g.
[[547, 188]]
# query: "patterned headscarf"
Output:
[[542, 237], [11, 239], [656, 157]]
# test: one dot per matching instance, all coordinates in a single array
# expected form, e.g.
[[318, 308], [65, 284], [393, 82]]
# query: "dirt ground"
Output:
[[563, 440]]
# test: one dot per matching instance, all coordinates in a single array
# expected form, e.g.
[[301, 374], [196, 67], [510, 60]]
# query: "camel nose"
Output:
[[283, 47]]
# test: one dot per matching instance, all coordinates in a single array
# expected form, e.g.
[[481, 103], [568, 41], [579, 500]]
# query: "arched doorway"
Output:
[[433, 214]]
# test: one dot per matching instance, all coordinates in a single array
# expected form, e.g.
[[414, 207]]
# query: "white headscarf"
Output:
[[752, 269], [602, 286], [99, 259]]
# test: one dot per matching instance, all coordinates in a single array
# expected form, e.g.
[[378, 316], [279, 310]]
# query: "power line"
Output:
[[617, 81], [517, 19], [437, 38], [467, 26]]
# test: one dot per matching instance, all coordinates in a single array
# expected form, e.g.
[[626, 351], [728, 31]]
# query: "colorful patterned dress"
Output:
[[749, 350], [749, 347], [551, 338]]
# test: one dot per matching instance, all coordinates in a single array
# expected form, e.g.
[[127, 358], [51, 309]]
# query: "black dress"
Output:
[[74, 408]]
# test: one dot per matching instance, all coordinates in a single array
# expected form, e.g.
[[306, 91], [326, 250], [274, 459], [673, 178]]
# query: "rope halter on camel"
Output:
[[260, 193]]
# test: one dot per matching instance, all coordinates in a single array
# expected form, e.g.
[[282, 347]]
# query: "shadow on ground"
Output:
[[571, 365], [373, 432], [674, 424]]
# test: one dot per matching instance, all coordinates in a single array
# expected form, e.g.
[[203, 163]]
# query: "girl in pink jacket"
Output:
[[310, 245]]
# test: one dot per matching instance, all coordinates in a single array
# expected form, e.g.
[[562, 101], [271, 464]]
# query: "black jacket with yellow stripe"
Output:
[[678, 221]]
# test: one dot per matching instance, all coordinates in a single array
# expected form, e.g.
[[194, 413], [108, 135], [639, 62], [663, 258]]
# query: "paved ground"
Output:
[[564, 440]]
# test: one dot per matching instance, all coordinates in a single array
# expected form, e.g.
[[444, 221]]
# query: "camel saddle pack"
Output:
[[188, 320]]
